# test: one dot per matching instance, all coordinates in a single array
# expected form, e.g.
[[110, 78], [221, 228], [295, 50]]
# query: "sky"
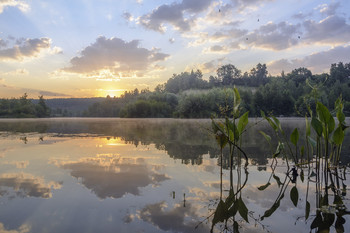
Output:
[[86, 48]]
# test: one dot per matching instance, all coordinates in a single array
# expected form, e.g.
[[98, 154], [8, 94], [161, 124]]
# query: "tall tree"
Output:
[[228, 73]]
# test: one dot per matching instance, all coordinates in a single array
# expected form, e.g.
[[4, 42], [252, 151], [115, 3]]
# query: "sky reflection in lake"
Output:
[[128, 181]]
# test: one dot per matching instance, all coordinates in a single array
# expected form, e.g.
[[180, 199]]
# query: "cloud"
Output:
[[18, 164], [332, 30], [274, 36], [217, 49], [113, 177], [27, 185], [115, 55], [51, 94], [17, 72], [3, 43], [330, 9], [25, 49], [317, 62], [241, 5], [173, 14], [24, 7], [127, 16], [210, 66], [301, 15]]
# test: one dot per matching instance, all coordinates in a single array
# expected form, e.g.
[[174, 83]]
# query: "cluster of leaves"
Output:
[[23, 107]]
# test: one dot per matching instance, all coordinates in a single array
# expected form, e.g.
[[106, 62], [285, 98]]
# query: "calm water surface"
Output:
[[137, 175]]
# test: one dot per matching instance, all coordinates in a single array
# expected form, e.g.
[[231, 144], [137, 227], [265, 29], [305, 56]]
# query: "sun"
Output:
[[111, 92]]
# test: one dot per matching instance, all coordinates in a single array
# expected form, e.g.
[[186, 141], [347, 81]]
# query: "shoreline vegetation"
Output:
[[188, 95], [318, 156]]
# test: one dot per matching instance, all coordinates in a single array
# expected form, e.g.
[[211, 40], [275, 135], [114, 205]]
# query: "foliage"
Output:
[[188, 95], [23, 107]]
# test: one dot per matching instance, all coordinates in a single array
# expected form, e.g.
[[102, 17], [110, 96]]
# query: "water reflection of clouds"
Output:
[[18, 164], [176, 219], [26, 185], [113, 176]]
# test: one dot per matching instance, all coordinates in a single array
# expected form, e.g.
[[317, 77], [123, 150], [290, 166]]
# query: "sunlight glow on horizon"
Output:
[[62, 50]]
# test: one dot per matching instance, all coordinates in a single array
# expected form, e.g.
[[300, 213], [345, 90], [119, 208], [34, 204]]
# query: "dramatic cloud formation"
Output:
[[317, 62], [332, 30], [274, 36], [13, 3], [174, 15], [25, 49], [115, 55]]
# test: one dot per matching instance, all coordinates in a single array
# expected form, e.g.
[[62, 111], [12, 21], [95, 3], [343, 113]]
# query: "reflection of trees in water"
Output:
[[187, 140]]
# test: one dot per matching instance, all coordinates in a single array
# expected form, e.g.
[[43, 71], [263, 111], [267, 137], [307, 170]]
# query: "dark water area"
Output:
[[155, 175]]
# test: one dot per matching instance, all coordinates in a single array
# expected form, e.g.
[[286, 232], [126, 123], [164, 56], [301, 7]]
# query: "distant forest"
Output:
[[188, 95]]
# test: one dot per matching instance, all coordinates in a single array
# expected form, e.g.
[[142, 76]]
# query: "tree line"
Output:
[[23, 107], [188, 95]]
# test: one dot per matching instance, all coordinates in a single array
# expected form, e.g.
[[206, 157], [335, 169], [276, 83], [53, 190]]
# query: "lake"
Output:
[[154, 175]]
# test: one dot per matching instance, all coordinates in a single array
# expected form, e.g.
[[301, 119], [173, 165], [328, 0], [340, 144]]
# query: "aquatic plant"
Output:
[[322, 145]]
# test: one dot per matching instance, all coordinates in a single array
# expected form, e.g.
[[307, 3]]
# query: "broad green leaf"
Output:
[[277, 122], [274, 207], [217, 126], [242, 123], [263, 187], [273, 125], [307, 210], [340, 116], [338, 136], [221, 139], [323, 113], [294, 195], [220, 213], [340, 107], [331, 125], [233, 210], [267, 137], [317, 125], [242, 209], [294, 137]]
